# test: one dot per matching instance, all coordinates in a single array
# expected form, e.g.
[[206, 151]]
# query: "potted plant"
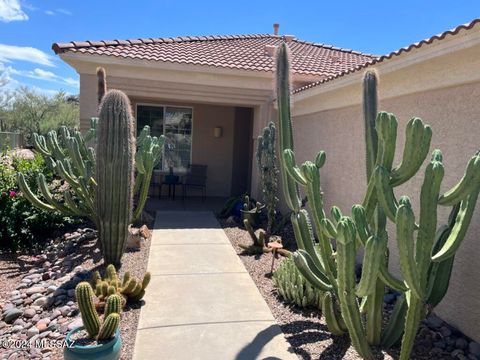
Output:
[[251, 211], [99, 337]]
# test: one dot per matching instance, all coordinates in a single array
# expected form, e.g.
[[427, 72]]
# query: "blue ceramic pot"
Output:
[[108, 351]]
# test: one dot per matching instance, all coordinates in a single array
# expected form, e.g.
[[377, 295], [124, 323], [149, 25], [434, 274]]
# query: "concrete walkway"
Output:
[[201, 302]]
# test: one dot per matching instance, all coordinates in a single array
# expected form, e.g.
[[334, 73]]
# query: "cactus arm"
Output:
[[439, 272], [391, 280], [386, 125], [405, 239], [328, 228], [292, 170], [290, 188], [374, 313], [385, 195], [336, 214], [460, 228], [28, 193], [373, 255], [142, 199], [331, 318], [417, 146], [346, 252], [396, 325], [429, 194], [303, 266], [415, 314], [42, 185], [84, 296], [41, 145], [314, 194], [360, 219], [369, 114], [109, 327], [465, 186]]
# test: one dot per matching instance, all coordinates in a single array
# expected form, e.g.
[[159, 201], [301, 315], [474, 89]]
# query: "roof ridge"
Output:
[[395, 53], [331, 47], [61, 47]]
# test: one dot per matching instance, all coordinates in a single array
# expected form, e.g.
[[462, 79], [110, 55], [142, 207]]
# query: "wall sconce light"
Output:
[[217, 132]]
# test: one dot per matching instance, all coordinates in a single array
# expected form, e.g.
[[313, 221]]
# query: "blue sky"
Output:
[[29, 27]]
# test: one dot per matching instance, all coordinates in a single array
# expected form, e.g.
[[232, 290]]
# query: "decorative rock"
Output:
[[40, 301], [46, 276], [56, 313], [29, 313], [16, 328], [71, 293], [34, 290], [35, 296], [434, 322], [12, 314], [461, 343], [52, 289], [32, 332], [474, 348], [74, 324], [445, 331], [65, 310]]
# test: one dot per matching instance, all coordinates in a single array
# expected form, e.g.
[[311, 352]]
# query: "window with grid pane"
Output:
[[176, 124]]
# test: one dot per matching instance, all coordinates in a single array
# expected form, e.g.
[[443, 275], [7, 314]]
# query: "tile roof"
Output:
[[247, 52], [393, 54]]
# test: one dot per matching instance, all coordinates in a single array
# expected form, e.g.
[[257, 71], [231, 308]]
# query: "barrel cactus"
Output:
[[97, 327], [426, 251], [129, 288]]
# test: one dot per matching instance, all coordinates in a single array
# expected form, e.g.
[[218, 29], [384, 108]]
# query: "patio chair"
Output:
[[195, 178]]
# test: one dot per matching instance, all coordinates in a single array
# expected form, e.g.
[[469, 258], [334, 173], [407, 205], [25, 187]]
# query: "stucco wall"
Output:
[[454, 115]]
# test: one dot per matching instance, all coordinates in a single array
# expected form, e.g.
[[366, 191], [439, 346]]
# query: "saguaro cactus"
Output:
[[115, 173], [426, 276]]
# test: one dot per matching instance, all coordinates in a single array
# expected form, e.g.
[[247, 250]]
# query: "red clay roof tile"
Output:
[[246, 52]]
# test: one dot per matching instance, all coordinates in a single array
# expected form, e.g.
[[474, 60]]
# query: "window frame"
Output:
[[164, 106]]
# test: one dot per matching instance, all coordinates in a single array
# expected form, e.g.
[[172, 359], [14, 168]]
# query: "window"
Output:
[[176, 124]]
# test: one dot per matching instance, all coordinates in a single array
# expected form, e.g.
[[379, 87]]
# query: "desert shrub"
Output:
[[22, 226]]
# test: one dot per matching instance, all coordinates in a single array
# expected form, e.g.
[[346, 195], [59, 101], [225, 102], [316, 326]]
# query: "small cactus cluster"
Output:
[[97, 326], [267, 165], [426, 251], [101, 181], [130, 288], [294, 288]]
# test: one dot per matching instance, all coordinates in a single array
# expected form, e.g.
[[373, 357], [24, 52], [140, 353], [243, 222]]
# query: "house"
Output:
[[210, 95], [216, 93]]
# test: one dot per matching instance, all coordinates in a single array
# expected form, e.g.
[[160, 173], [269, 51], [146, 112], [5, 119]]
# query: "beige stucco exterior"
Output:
[[444, 91]]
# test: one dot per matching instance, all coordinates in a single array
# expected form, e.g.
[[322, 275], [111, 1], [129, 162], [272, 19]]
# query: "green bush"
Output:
[[22, 226]]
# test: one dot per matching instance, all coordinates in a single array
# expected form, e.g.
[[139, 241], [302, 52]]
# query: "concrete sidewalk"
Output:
[[201, 302]]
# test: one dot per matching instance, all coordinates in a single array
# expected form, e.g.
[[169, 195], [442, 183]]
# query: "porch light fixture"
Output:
[[217, 132]]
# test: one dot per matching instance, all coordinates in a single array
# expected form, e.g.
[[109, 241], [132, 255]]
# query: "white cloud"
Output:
[[10, 10], [24, 53], [64, 11], [57, 11], [44, 75]]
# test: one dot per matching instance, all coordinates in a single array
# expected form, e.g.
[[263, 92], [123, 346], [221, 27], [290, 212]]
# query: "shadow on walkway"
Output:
[[252, 350]]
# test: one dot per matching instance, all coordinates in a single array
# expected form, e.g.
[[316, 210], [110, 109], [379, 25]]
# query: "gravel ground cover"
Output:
[[307, 332], [37, 295]]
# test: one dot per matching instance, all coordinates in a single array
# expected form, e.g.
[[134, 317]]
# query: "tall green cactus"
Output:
[[69, 156], [267, 164], [96, 328], [115, 173], [426, 261]]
